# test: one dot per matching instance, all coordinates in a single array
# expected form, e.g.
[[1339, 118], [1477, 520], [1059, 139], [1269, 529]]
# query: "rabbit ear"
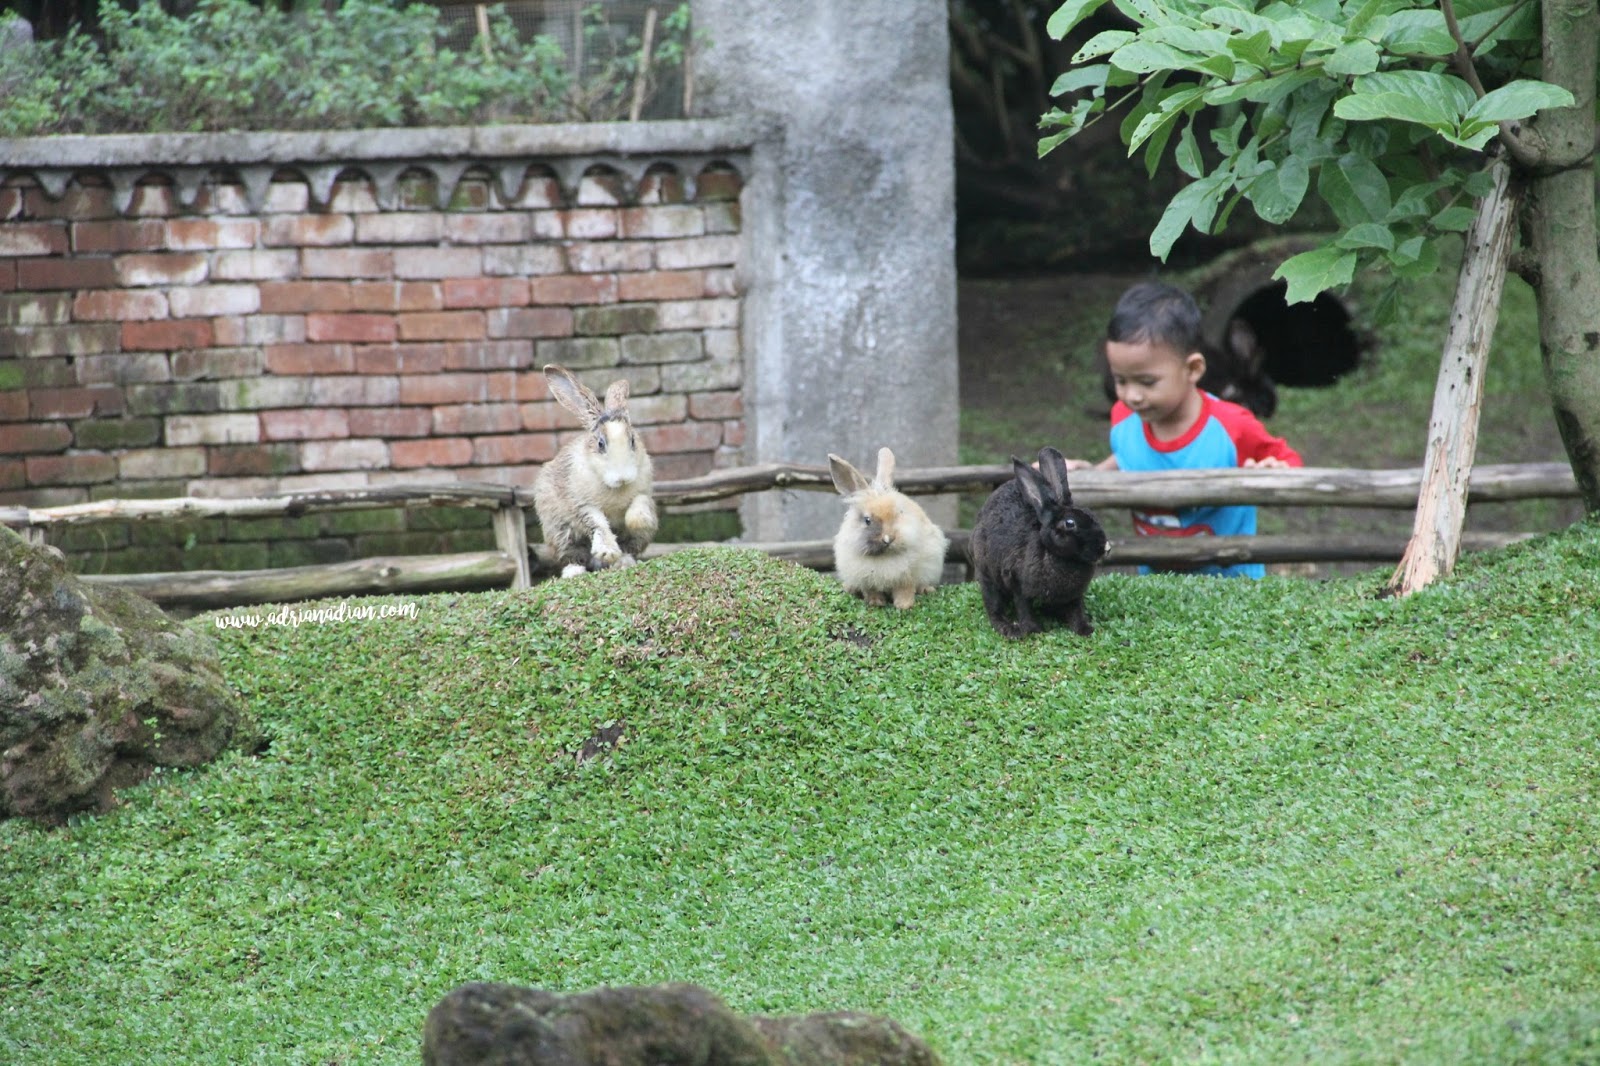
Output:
[[1028, 481], [846, 478], [885, 475], [1054, 469], [617, 397], [573, 394]]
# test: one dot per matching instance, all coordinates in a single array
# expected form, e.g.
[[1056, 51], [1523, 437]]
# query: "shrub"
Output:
[[233, 66]]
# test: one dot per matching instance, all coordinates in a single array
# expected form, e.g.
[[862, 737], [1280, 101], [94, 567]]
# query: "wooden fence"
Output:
[[513, 565]]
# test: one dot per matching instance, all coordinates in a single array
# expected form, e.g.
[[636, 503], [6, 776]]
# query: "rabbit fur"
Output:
[[1030, 546], [593, 499], [887, 548]]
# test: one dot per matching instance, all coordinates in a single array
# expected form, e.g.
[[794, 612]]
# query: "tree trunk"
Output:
[[1560, 231], [1458, 396]]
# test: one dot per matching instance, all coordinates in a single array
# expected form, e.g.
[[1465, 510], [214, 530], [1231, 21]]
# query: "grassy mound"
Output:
[[1246, 822]]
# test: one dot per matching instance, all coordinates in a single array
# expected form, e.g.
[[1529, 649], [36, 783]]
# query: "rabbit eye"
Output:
[[1069, 523], [600, 442]]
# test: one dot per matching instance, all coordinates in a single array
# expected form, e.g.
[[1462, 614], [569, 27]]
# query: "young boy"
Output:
[[1163, 420]]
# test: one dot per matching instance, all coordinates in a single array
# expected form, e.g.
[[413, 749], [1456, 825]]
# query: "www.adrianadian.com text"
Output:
[[297, 616]]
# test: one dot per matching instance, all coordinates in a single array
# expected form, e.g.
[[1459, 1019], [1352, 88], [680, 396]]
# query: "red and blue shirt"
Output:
[[1225, 435]]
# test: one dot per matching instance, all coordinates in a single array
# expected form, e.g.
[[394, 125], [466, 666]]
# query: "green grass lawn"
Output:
[[1245, 822]]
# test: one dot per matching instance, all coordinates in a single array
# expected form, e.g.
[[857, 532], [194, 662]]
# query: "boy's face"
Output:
[[1158, 383]]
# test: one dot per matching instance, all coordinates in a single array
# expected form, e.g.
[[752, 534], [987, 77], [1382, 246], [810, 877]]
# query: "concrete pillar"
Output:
[[849, 266]]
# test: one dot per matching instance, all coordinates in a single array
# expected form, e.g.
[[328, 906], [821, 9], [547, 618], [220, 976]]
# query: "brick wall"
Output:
[[154, 345]]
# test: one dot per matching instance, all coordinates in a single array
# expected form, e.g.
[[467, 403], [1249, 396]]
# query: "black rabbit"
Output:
[[1031, 547]]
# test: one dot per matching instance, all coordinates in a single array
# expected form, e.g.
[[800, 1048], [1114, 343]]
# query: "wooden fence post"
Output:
[[511, 537], [1458, 397]]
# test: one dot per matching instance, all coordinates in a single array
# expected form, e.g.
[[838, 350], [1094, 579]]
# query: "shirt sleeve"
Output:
[[1251, 438]]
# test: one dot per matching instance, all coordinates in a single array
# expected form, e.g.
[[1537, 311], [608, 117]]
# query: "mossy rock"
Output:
[[98, 688]]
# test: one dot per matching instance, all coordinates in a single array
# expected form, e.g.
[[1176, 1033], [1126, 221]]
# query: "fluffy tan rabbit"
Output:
[[593, 499], [887, 547]]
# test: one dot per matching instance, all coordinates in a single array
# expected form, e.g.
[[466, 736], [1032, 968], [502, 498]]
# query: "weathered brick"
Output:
[[190, 234], [722, 345], [733, 432], [523, 261], [287, 553], [389, 422], [212, 429], [33, 373], [578, 353], [674, 465], [77, 272], [574, 289], [222, 198], [699, 314], [441, 326], [395, 296], [471, 194], [119, 235], [700, 377], [36, 309], [691, 252], [356, 195], [544, 415], [718, 183], [344, 523], [488, 228], [662, 186], [146, 463], [352, 454], [43, 496], [258, 394], [662, 407], [93, 539], [109, 434], [612, 320], [201, 397], [723, 282], [225, 557], [601, 187], [162, 268], [431, 452], [531, 385], [530, 322], [434, 389], [517, 448], [399, 358], [217, 363], [120, 305], [538, 190], [662, 348], [307, 231], [34, 238], [260, 329], [595, 257], [85, 198], [589, 223], [153, 199], [350, 327], [400, 227], [79, 402], [168, 335], [661, 285], [85, 338], [36, 437], [359, 390], [682, 437], [124, 368], [255, 264], [81, 468], [663, 221], [290, 197], [346, 263], [713, 405], [485, 292], [488, 355], [264, 528], [209, 301], [315, 424], [724, 217], [309, 359], [438, 262], [301, 297], [469, 419], [8, 275], [13, 474], [233, 487], [252, 460]]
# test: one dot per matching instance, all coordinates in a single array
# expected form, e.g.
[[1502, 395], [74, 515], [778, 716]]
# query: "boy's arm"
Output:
[[1255, 445], [1108, 463]]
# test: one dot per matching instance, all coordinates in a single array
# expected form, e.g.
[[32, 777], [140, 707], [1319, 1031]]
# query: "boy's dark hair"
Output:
[[1154, 313]]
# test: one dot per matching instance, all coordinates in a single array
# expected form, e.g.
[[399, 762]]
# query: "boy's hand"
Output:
[[1270, 460]]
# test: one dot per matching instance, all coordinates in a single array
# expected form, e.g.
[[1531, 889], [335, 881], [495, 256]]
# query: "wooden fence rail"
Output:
[[516, 565]]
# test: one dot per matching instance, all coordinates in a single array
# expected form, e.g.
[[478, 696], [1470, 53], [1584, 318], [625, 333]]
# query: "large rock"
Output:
[[97, 688], [662, 1025]]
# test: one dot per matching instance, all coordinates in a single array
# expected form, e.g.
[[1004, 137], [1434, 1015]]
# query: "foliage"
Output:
[[1383, 107], [367, 63], [1247, 822]]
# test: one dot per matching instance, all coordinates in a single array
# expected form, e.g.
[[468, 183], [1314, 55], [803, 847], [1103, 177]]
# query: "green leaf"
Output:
[[1198, 198], [1426, 260], [1277, 193], [1353, 57], [1068, 15], [1418, 33], [1255, 48], [1355, 189], [1457, 219], [1087, 77], [1103, 44], [1518, 100], [1145, 57], [1367, 235], [1314, 272], [1187, 155]]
